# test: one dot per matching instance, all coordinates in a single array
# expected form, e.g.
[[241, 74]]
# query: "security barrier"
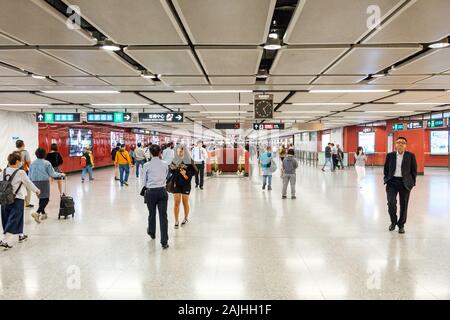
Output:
[[227, 160]]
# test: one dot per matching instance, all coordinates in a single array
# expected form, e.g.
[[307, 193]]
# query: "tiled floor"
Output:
[[242, 243]]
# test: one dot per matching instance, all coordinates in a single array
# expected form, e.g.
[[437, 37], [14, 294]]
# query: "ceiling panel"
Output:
[[232, 80], [397, 79], [421, 21], [302, 97], [23, 97], [304, 61], [181, 81], [164, 61], [230, 61], [335, 79], [226, 20], [290, 107], [338, 22], [37, 23], [289, 79], [170, 97], [434, 61], [9, 72], [414, 96], [24, 81], [437, 79], [80, 81], [99, 98], [37, 62], [372, 115], [362, 97], [370, 60], [217, 97], [129, 81], [143, 22], [393, 107], [95, 61], [5, 41]]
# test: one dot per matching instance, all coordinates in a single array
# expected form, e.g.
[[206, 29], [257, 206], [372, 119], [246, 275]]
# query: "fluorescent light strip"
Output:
[[322, 104], [213, 91], [420, 103], [219, 104], [300, 111], [389, 111], [348, 91], [118, 104], [24, 105], [229, 117], [223, 112], [80, 91]]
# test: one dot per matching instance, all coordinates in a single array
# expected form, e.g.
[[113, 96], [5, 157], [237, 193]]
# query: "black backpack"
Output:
[[7, 194]]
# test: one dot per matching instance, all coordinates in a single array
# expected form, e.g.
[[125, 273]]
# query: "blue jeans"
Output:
[[267, 177], [139, 163], [87, 169], [328, 160], [124, 169]]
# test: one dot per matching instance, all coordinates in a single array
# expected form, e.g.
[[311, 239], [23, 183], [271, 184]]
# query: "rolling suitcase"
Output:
[[67, 205]]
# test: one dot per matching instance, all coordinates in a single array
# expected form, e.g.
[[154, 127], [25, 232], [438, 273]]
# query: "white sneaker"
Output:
[[35, 216], [43, 216]]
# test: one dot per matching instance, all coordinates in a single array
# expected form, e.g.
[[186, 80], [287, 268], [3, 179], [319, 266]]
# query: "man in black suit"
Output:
[[400, 171]]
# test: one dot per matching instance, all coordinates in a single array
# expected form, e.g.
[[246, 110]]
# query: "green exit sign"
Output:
[[49, 117], [435, 123], [398, 126], [118, 117]]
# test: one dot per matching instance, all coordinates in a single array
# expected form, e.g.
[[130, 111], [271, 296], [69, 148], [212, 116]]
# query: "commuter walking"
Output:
[[400, 172], [113, 158], [168, 154], [328, 154], [140, 158], [334, 155], [182, 170], [154, 175], [12, 199], [290, 164], [267, 167], [25, 166], [340, 157], [123, 161], [40, 172], [282, 155], [199, 155], [360, 165], [87, 163], [56, 160]]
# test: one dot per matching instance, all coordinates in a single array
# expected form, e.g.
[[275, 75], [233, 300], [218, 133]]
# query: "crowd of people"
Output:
[[170, 168]]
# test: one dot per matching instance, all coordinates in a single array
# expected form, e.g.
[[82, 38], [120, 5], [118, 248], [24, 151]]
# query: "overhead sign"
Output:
[[415, 125], [367, 129], [161, 117], [263, 106], [225, 126], [398, 126], [50, 117], [116, 117], [435, 123], [268, 126]]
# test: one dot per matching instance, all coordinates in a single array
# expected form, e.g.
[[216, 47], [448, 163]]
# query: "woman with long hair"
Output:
[[360, 164], [183, 169], [55, 158]]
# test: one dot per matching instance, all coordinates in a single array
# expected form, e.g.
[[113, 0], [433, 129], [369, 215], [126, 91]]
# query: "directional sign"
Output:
[[398, 126], [268, 126], [161, 117], [225, 126], [50, 117], [116, 117], [415, 125], [435, 123]]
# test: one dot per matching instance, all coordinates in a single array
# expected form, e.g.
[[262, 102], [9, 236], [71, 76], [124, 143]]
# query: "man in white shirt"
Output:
[[139, 155], [168, 153], [199, 155]]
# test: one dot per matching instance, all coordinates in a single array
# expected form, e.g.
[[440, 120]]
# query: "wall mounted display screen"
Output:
[[78, 140], [325, 140], [439, 142], [367, 141], [116, 137]]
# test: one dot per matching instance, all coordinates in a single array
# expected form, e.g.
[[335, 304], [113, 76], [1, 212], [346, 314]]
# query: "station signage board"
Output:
[[50, 117], [268, 126], [225, 126], [161, 117], [115, 117], [415, 125], [435, 123], [367, 129], [398, 126]]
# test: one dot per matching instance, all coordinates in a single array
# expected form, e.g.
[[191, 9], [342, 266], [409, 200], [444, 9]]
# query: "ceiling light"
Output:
[[322, 104], [419, 103], [348, 91], [389, 111], [440, 44], [36, 76], [213, 91], [219, 104], [378, 75], [119, 104], [262, 74], [300, 111], [147, 75], [272, 44], [24, 105], [273, 35], [108, 45], [223, 112], [225, 117], [80, 91]]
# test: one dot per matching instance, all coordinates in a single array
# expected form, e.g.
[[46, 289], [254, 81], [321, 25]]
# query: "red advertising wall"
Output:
[[351, 144]]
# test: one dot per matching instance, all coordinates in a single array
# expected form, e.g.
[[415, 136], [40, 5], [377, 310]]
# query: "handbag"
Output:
[[170, 184], [143, 190], [272, 166]]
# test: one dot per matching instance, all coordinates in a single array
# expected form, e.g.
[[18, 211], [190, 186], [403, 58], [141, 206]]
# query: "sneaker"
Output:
[[5, 245], [35, 216], [283, 197], [177, 225], [165, 246], [23, 237], [184, 222], [43, 216], [29, 206], [126, 183], [269, 188], [264, 187], [293, 197]]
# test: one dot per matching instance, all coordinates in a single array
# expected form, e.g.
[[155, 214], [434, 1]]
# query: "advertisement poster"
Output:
[[116, 137], [78, 140], [439, 142], [367, 141]]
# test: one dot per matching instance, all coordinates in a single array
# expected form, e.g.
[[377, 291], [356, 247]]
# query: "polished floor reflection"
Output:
[[242, 243]]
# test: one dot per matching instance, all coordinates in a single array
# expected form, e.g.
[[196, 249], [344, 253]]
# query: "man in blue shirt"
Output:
[[154, 174]]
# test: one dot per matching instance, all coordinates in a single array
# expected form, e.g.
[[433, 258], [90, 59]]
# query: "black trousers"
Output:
[[393, 187], [200, 175], [335, 162], [42, 205], [157, 198]]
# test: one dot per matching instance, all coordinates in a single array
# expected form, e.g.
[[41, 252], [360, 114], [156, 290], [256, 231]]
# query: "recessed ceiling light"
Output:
[[300, 111], [322, 104], [80, 91], [24, 105], [219, 104], [147, 75], [419, 103], [225, 117], [37, 76], [223, 112], [273, 35], [348, 91], [118, 104], [273, 44], [389, 111], [213, 91], [378, 75], [108, 45], [440, 44]]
